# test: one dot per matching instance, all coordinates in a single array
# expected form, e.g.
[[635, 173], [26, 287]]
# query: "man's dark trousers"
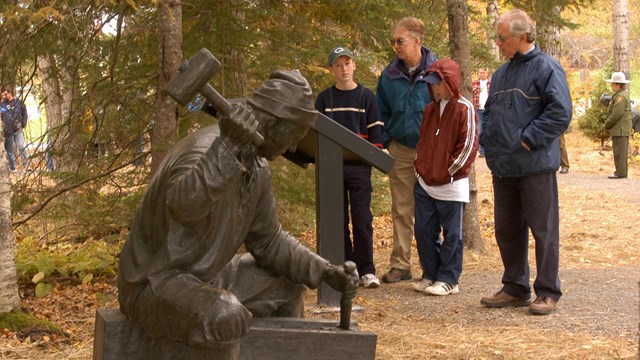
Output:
[[523, 203], [357, 198], [620, 145]]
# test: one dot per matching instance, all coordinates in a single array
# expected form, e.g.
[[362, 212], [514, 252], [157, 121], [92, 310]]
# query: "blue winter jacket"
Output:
[[401, 100], [529, 102], [14, 116]]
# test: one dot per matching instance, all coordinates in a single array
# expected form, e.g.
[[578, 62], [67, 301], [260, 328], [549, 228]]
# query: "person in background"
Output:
[[529, 107], [446, 150], [480, 90], [402, 95], [14, 119], [354, 106], [618, 123]]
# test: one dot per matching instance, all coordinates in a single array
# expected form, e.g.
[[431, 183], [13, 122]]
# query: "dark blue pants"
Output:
[[521, 204], [439, 261], [480, 121], [357, 201]]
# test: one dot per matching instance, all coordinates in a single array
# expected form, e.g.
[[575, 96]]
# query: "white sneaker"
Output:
[[422, 285], [441, 288], [369, 281]]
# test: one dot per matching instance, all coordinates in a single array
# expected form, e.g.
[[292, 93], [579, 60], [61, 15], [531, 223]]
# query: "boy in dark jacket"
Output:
[[354, 106], [447, 147]]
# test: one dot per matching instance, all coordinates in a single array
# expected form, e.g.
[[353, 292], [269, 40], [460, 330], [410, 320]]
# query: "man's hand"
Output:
[[341, 280], [238, 127], [225, 320]]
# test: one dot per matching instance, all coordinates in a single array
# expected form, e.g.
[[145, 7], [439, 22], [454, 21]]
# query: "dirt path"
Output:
[[577, 180]]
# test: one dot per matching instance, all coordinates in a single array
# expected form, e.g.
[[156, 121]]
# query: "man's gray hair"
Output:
[[413, 25], [519, 24]]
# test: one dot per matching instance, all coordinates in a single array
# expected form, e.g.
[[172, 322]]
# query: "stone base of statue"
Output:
[[116, 337]]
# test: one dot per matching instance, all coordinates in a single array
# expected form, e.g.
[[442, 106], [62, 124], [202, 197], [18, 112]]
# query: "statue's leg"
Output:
[[260, 291]]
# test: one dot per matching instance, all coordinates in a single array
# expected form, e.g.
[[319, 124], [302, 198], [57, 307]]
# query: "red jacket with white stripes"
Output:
[[449, 143]]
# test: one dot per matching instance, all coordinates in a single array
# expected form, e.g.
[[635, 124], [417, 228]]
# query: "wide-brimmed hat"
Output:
[[618, 78]]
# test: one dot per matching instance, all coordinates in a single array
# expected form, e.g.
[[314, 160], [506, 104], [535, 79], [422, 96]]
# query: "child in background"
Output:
[[447, 147], [353, 106]]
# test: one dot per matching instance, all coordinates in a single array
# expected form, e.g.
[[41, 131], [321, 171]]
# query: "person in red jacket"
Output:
[[447, 147]]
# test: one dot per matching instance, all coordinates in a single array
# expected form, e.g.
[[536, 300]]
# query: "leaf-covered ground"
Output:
[[597, 316]]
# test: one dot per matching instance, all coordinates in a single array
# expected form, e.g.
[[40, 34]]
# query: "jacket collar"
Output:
[[519, 57], [398, 69]]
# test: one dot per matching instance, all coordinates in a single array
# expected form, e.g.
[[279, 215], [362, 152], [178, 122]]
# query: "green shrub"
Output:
[[592, 123], [37, 263]]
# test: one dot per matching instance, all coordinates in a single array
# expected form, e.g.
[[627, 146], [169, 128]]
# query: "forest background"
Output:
[[88, 71]]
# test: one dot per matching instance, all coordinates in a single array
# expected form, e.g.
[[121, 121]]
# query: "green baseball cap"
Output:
[[337, 52]]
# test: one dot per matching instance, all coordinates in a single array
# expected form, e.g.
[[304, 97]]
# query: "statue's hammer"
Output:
[[346, 303], [193, 77]]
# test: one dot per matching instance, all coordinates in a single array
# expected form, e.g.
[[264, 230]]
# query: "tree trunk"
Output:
[[233, 68], [57, 88], [164, 131], [460, 52], [549, 34], [492, 14], [620, 10], [9, 298]]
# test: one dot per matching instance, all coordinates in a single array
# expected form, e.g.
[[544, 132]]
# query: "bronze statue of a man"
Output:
[[181, 276]]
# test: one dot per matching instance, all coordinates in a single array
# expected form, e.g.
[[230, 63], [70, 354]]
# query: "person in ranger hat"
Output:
[[181, 276], [619, 123], [353, 106]]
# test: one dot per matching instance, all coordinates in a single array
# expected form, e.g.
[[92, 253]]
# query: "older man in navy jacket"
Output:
[[529, 107]]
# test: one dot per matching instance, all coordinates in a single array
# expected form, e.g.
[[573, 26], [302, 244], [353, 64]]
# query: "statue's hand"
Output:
[[239, 126], [341, 280], [225, 320]]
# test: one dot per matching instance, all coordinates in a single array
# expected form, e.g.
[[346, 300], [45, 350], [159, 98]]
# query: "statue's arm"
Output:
[[199, 179], [276, 250]]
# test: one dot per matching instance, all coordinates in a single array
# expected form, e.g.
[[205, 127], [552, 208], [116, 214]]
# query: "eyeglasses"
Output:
[[398, 41], [501, 38]]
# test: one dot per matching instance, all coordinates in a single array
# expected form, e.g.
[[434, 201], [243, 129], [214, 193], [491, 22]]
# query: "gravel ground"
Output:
[[598, 302]]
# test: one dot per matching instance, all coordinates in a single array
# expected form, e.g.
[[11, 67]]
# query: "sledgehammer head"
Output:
[[193, 76]]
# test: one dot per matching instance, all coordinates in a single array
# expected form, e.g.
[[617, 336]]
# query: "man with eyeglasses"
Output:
[[402, 94], [529, 107]]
